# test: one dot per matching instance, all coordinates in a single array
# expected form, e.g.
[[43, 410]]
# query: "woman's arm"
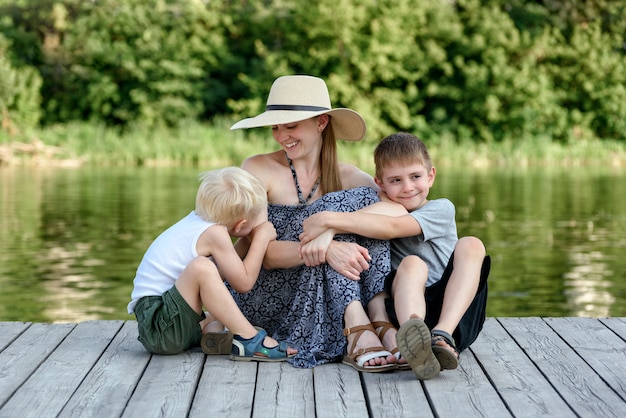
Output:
[[282, 254], [347, 258]]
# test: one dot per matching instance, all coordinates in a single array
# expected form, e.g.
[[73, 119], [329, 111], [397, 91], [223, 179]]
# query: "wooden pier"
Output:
[[520, 367]]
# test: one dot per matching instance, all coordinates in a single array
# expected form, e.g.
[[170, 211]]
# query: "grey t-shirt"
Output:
[[436, 243]]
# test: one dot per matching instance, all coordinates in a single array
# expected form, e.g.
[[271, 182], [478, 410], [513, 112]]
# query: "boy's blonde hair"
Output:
[[228, 195], [403, 148]]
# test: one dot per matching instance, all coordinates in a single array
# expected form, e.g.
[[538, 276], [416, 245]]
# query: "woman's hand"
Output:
[[348, 259]]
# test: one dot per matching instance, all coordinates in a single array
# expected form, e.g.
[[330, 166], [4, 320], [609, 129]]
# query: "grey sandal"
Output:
[[445, 350], [414, 342]]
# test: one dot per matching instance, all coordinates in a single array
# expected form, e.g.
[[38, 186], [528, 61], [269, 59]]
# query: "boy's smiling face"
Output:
[[407, 184]]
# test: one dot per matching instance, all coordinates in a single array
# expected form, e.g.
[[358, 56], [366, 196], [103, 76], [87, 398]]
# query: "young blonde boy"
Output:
[[438, 282], [184, 269]]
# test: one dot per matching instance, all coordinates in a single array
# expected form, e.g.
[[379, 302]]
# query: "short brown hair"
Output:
[[401, 147]]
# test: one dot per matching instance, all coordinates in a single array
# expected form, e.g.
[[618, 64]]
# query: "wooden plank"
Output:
[[598, 346], [27, 352], [396, 394], [465, 391], [523, 388], [167, 386], [10, 331], [225, 389], [53, 383], [283, 391], [518, 366], [111, 382], [338, 392], [617, 325], [578, 384]]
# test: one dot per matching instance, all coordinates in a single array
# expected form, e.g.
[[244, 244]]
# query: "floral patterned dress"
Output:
[[305, 305]]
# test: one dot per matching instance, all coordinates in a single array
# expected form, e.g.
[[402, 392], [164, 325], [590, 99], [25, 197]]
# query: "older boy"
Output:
[[184, 270], [438, 282]]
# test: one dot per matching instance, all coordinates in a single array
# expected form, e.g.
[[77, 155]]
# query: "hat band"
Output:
[[296, 107]]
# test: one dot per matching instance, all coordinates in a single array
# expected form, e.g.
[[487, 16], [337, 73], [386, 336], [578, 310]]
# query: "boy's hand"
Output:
[[313, 226], [314, 251]]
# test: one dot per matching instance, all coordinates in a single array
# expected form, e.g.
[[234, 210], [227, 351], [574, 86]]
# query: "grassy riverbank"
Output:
[[80, 144]]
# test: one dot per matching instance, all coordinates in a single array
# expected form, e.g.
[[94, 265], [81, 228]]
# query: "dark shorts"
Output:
[[167, 324], [472, 321]]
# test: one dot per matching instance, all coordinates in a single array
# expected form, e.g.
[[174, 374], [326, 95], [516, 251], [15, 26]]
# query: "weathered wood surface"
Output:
[[521, 367]]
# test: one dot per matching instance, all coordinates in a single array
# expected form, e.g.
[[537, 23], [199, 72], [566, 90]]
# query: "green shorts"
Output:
[[167, 324]]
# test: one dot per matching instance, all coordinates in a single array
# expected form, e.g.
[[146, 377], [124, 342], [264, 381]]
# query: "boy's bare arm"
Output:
[[381, 220], [240, 274], [262, 235]]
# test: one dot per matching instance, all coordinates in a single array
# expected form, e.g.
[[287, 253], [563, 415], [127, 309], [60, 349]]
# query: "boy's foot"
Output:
[[444, 348], [414, 342], [254, 349], [218, 342]]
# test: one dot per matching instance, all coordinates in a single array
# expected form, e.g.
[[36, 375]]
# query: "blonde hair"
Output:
[[403, 148], [228, 195]]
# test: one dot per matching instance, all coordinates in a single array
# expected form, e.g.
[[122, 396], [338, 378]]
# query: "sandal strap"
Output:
[[379, 350], [369, 354], [358, 331], [254, 348], [439, 335], [385, 325], [361, 328]]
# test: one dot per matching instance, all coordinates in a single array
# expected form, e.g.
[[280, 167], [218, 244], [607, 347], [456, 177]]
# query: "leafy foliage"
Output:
[[479, 70], [19, 93]]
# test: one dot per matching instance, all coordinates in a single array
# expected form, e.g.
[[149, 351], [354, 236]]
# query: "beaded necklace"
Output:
[[302, 200]]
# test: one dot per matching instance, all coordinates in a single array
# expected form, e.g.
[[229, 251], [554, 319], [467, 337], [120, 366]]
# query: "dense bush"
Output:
[[19, 92], [475, 70]]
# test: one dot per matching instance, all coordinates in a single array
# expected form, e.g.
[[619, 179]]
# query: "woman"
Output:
[[315, 308]]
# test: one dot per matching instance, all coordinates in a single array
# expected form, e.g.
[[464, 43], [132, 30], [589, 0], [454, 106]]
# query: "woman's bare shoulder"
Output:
[[352, 176], [262, 162]]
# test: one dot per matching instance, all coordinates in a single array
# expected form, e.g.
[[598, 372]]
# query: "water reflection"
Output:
[[589, 278], [71, 239]]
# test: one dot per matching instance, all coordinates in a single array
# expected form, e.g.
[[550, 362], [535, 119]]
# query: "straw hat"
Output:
[[294, 98]]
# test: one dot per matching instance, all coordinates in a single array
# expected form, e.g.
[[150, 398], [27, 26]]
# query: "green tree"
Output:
[[19, 93], [125, 61], [481, 70]]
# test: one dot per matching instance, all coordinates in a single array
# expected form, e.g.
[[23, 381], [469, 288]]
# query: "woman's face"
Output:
[[300, 137]]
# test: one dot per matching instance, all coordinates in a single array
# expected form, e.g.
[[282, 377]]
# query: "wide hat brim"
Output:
[[294, 98], [347, 124]]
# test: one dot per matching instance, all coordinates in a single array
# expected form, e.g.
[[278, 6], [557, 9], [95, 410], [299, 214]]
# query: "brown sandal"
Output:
[[366, 354], [218, 342], [386, 326]]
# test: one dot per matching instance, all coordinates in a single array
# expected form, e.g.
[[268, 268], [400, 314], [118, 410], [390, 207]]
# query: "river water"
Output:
[[71, 239]]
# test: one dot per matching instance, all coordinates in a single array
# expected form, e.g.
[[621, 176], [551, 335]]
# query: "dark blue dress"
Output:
[[305, 305]]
